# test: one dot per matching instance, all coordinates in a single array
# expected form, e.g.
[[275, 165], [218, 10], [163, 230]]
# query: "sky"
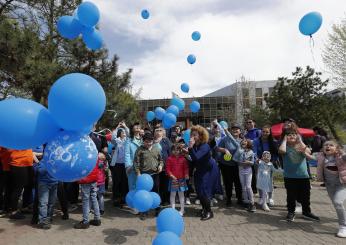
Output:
[[257, 39]]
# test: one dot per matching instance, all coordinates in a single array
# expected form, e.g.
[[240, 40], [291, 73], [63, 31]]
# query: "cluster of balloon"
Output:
[[141, 198], [170, 226], [84, 20], [310, 23]]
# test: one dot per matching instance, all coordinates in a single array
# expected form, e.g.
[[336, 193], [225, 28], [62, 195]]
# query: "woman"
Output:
[[117, 165], [199, 152], [264, 143]]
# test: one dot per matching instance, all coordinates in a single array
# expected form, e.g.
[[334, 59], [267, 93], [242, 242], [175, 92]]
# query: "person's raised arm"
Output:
[[283, 146]]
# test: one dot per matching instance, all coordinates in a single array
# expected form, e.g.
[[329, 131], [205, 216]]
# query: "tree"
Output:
[[304, 98], [33, 56], [334, 55], [262, 116]]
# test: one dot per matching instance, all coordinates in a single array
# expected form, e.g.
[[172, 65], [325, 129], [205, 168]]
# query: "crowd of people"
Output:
[[214, 162]]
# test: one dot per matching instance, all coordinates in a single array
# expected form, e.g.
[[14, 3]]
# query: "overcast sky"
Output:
[[255, 38]]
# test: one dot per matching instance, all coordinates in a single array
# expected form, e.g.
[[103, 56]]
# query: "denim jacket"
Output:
[[233, 146]]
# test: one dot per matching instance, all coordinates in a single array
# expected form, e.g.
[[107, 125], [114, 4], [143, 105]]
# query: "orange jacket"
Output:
[[21, 158]]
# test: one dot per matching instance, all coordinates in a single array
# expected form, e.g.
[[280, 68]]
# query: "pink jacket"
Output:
[[101, 177], [340, 163]]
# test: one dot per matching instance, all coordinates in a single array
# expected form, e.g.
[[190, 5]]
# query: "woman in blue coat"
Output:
[[200, 154]]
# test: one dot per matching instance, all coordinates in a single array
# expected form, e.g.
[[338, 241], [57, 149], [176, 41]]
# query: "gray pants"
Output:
[[337, 193]]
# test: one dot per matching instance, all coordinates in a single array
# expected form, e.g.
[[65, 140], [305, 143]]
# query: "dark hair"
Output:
[[132, 135], [272, 146], [175, 146], [148, 136], [121, 129], [248, 143], [290, 131]]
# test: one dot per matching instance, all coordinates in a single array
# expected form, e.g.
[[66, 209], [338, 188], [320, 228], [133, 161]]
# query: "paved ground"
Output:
[[230, 226]]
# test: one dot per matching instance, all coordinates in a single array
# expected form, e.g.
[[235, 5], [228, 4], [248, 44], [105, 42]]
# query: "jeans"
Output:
[[89, 192], [337, 193], [298, 190], [245, 180], [131, 178], [46, 200]]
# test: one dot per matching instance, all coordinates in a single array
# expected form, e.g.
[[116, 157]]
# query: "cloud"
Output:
[[255, 38]]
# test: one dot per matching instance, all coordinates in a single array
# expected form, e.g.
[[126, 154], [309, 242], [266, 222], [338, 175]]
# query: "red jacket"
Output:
[[92, 177], [177, 166]]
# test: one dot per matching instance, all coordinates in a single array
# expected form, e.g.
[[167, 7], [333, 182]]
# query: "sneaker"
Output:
[[214, 201], [181, 213], [187, 201], [44, 226], [265, 207], [311, 216], [251, 208], [65, 216], [133, 211], [197, 202], [81, 225], [342, 232], [271, 203], [17, 215], [290, 217], [220, 197], [95, 222]]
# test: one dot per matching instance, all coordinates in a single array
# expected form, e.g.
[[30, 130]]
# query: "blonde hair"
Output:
[[202, 132]]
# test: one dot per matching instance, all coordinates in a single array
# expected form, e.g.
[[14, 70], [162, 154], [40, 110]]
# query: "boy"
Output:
[[148, 160], [296, 176]]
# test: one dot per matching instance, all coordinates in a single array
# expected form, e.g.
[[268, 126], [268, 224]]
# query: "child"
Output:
[[177, 169], [265, 179], [47, 187], [245, 173], [331, 170], [101, 189], [148, 160], [89, 192], [296, 176]]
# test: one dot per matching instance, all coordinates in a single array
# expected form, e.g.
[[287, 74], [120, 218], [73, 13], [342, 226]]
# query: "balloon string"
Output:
[[99, 132], [312, 45]]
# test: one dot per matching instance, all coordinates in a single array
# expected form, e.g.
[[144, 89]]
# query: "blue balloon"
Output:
[[159, 113], [69, 27], [167, 238], [224, 124], [25, 124], [145, 14], [70, 156], [76, 101], [144, 182], [195, 106], [310, 23], [185, 87], [173, 109], [150, 116], [92, 39], [88, 14], [169, 219], [156, 200], [142, 201], [191, 59], [129, 198], [178, 102], [196, 36], [169, 120], [186, 136]]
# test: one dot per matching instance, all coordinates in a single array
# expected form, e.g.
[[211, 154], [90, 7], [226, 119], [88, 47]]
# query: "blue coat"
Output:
[[233, 146], [130, 150], [253, 134]]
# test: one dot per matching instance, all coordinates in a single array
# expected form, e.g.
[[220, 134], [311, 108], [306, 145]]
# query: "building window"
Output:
[[245, 92], [246, 103], [270, 91], [259, 92]]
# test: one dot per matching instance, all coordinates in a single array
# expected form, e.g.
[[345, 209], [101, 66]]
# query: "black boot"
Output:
[[207, 216]]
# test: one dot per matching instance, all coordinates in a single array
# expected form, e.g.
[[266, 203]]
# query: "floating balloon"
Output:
[[156, 200], [129, 198], [173, 109], [227, 157], [169, 120], [196, 36], [310, 23], [167, 238], [224, 124], [142, 201], [191, 59], [145, 14], [70, 156], [93, 39], [159, 113], [76, 101], [150, 116], [185, 87], [169, 219], [186, 136], [144, 182], [178, 102], [195, 106], [88, 14], [25, 124], [69, 27]]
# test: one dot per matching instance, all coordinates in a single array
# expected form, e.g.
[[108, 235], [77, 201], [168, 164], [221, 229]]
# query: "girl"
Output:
[[101, 189], [331, 169], [265, 179], [177, 169]]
